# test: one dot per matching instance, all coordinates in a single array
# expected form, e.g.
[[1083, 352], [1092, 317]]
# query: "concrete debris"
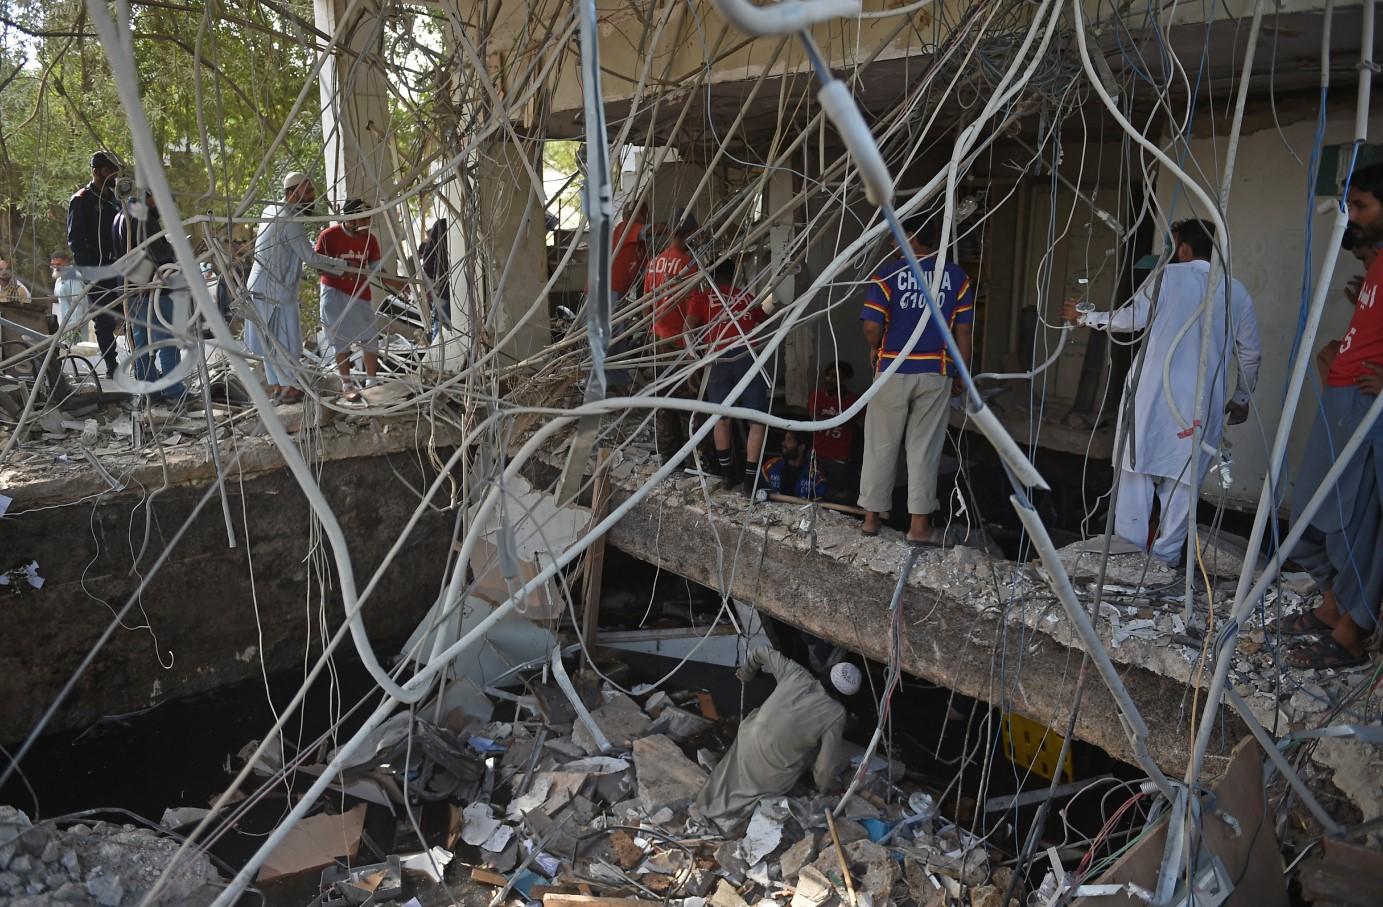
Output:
[[797, 856], [99, 864], [873, 867], [620, 720], [725, 895], [814, 889], [667, 778], [679, 724]]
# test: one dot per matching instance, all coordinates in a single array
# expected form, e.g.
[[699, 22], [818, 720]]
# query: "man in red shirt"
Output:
[[674, 282], [630, 253], [348, 317], [629, 258], [675, 286], [834, 446], [1340, 548], [730, 316]]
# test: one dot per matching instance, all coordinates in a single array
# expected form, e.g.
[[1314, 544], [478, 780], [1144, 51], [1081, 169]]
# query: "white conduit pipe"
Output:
[[785, 16], [539, 438], [1192, 187], [418, 685], [1244, 597], [1221, 269]]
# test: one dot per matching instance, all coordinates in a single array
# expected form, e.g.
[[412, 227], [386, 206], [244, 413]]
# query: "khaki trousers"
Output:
[[911, 409]]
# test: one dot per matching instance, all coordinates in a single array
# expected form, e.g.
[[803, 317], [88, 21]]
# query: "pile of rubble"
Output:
[[98, 864], [576, 800]]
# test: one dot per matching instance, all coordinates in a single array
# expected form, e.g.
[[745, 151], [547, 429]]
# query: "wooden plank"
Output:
[[595, 555], [552, 899], [488, 877], [1344, 874]]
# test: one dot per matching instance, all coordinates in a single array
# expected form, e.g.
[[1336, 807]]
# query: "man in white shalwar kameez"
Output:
[[281, 250], [1157, 462]]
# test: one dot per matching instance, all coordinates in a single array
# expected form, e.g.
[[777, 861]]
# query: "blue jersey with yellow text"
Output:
[[893, 298]]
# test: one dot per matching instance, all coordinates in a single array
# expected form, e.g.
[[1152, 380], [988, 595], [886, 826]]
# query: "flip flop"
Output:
[[1325, 652], [869, 533], [921, 543], [1303, 623]]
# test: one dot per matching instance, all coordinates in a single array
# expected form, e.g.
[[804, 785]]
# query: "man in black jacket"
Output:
[[90, 219]]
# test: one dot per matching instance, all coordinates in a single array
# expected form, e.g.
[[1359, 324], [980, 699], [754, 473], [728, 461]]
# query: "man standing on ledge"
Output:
[[90, 222], [911, 408], [1340, 548], [1158, 461], [281, 250]]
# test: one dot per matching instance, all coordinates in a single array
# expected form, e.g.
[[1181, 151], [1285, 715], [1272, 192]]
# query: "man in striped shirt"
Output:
[[911, 408]]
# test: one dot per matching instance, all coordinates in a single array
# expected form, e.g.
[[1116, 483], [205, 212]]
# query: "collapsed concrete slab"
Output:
[[991, 629]]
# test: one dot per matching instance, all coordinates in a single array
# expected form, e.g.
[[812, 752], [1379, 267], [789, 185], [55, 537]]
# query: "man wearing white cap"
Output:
[[281, 250], [800, 724]]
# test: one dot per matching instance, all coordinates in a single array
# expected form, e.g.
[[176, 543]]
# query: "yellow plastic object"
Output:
[[1034, 746]]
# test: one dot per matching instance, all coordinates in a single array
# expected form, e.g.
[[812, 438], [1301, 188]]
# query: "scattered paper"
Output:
[[536, 797], [765, 831], [5, 502], [499, 839], [28, 573], [431, 862], [479, 824]]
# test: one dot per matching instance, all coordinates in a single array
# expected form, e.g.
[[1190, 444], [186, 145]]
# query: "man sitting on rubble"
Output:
[[1341, 546], [801, 724], [794, 472], [12, 289], [834, 447]]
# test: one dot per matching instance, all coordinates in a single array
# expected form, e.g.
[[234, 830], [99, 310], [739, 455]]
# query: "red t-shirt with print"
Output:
[[833, 443], [672, 266], [358, 250], [1363, 342]]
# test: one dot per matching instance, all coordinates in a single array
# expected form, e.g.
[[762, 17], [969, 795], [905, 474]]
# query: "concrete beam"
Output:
[[987, 628]]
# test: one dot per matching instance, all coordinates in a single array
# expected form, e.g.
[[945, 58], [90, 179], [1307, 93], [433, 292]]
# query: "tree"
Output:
[[217, 81]]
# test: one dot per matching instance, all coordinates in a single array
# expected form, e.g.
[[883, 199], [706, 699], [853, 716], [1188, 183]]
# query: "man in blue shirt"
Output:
[[911, 408]]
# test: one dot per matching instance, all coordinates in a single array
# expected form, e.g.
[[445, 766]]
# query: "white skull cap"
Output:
[[846, 678], [294, 180]]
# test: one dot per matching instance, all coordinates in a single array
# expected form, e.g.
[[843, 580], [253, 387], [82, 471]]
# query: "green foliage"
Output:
[[59, 103], [562, 160]]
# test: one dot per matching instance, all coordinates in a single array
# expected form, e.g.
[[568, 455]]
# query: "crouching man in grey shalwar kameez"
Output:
[[281, 250], [800, 724]]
